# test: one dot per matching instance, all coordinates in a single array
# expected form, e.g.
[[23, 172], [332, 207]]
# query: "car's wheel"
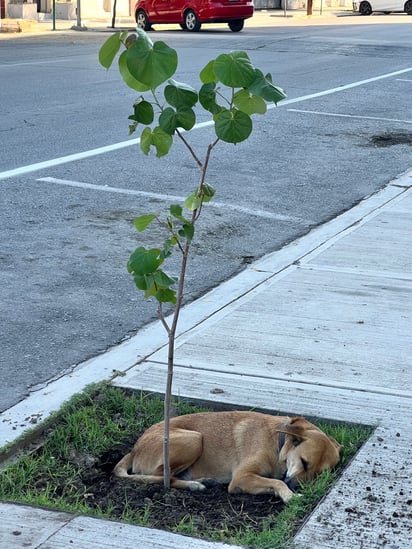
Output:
[[408, 7], [365, 8], [183, 26], [142, 20], [236, 25], [191, 21]]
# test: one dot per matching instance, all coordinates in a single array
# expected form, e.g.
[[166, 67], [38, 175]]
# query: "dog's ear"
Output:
[[295, 428]]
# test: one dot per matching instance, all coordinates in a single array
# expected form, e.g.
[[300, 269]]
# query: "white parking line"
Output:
[[110, 148], [351, 116], [169, 197]]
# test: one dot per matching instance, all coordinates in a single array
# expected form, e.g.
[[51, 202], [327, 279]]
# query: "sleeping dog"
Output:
[[254, 453]]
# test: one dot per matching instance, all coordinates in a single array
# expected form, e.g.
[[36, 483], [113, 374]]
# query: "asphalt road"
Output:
[[66, 234]]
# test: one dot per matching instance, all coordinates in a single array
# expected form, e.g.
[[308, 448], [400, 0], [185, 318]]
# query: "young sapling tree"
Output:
[[232, 89]]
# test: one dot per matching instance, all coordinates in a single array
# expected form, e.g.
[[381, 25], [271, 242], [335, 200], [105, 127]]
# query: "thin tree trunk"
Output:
[[114, 14], [167, 411], [173, 328]]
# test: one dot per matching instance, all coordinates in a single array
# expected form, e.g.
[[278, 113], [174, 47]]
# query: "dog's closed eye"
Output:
[[305, 464]]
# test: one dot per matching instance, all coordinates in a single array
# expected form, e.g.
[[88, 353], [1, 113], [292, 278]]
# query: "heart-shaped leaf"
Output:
[[234, 69], [207, 98], [180, 95], [151, 65], [143, 111], [207, 74], [142, 222], [170, 119], [144, 261], [233, 126], [109, 50], [250, 104], [263, 87], [127, 77]]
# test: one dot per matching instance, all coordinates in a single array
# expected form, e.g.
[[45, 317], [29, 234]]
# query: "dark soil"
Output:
[[213, 509]]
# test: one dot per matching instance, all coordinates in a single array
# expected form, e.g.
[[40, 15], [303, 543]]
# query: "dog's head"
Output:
[[306, 451]]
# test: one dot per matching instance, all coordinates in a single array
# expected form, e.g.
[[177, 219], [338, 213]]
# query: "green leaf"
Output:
[[177, 211], [249, 104], [263, 87], [142, 222], [166, 296], [193, 201], [170, 119], [162, 280], [208, 192], [167, 120], [151, 65], [162, 141], [142, 35], [144, 261], [143, 282], [133, 126], [207, 74], [186, 118], [146, 140], [109, 50], [168, 245], [207, 98], [233, 126], [127, 77], [234, 69], [180, 95], [187, 231], [143, 112]]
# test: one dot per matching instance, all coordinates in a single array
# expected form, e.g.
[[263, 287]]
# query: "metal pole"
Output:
[[54, 15]]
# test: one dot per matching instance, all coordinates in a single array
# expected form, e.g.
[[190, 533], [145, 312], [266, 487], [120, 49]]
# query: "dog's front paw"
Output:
[[196, 486], [286, 495]]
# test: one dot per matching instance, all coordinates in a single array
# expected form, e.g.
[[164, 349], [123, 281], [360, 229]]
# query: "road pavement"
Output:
[[69, 193]]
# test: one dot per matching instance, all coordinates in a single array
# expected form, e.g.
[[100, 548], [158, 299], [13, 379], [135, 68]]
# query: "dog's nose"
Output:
[[291, 483]]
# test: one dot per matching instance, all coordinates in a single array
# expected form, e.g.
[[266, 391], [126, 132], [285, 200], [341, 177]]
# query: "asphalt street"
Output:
[[67, 206]]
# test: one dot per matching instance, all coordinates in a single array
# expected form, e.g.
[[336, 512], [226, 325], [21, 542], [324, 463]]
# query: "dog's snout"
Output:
[[291, 482]]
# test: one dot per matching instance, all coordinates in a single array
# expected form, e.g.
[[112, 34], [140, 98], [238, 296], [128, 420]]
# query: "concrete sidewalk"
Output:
[[320, 328]]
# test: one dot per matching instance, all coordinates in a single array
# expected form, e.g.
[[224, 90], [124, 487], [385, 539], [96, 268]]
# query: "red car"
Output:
[[190, 14]]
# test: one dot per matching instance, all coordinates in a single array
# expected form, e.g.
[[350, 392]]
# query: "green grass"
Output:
[[104, 418]]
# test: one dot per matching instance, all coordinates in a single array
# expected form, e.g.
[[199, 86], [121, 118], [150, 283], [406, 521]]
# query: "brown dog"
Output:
[[248, 450]]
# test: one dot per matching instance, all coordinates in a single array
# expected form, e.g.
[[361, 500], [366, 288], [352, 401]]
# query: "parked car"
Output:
[[366, 7], [190, 14]]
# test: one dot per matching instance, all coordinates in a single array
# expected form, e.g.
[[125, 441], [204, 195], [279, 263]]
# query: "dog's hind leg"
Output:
[[145, 463], [184, 450]]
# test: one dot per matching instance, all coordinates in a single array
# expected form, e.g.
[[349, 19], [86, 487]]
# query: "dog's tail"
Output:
[[123, 468]]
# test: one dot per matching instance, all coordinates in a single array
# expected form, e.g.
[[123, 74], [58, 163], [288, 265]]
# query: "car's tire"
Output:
[[142, 21], [408, 7], [183, 26], [365, 8], [191, 21], [236, 25]]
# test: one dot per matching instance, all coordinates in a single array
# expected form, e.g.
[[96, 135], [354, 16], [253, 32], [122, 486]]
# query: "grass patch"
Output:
[[71, 471]]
